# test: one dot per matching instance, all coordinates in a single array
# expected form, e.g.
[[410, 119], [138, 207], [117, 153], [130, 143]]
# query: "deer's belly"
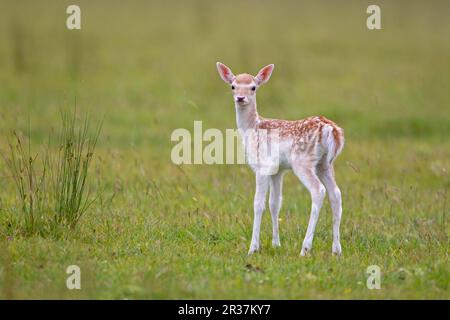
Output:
[[268, 159]]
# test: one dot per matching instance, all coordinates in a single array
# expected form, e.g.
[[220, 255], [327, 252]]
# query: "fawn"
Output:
[[308, 147]]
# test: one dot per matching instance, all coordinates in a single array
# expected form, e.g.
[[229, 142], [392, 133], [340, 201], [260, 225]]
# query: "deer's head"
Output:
[[244, 86]]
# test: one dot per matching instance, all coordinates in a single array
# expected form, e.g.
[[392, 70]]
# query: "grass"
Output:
[[163, 231], [51, 185]]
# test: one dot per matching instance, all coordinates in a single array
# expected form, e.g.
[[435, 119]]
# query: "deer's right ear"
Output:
[[225, 73]]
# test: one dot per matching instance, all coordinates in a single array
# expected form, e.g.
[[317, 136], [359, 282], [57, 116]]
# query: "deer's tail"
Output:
[[333, 141]]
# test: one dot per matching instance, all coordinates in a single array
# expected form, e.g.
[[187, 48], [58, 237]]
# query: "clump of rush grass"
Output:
[[29, 181], [52, 187]]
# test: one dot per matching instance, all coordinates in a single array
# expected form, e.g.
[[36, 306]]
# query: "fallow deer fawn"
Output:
[[308, 147]]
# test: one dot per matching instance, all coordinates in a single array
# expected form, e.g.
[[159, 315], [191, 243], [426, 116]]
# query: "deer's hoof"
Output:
[[336, 249], [253, 249], [305, 251]]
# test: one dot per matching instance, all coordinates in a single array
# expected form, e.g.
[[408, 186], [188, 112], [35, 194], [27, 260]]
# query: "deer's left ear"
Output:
[[264, 74]]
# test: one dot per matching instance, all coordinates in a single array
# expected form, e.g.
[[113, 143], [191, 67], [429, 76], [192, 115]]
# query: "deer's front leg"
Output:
[[262, 184], [275, 198]]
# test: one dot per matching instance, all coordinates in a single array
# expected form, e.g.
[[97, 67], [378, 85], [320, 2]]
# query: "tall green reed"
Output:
[[29, 179], [70, 166]]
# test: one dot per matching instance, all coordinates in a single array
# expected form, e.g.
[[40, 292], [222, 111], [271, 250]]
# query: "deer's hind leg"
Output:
[[325, 173], [307, 175]]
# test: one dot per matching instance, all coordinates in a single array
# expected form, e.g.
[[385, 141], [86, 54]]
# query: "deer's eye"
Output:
[[232, 88], [253, 88]]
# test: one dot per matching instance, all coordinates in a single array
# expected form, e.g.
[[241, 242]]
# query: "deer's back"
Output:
[[309, 139]]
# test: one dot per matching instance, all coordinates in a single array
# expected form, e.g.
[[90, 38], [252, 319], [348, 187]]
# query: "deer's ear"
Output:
[[225, 73], [264, 74]]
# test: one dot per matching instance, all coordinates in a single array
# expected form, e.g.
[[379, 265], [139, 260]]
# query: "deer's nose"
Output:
[[240, 99]]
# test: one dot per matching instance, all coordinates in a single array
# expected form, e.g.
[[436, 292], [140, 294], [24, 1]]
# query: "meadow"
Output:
[[162, 231]]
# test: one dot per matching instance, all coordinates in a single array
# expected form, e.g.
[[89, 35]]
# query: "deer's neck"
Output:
[[246, 116]]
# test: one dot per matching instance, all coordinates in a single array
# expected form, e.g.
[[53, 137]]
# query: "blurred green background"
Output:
[[148, 67]]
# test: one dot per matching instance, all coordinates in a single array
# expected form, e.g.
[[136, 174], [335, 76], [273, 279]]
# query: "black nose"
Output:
[[240, 99]]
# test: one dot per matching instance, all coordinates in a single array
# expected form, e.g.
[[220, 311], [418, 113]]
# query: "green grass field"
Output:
[[159, 231]]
